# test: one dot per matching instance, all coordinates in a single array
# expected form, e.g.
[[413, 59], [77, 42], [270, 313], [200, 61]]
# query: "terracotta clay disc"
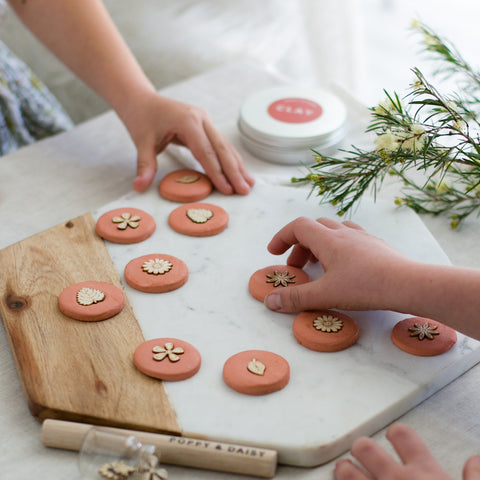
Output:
[[156, 273], [325, 330], [175, 359], [185, 185], [423, 337], [125, 225], [91, 301], [275, 277], [198, 219], [272, 372]]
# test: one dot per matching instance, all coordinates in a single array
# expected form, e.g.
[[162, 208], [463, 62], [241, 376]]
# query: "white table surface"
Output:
[[79, 171]]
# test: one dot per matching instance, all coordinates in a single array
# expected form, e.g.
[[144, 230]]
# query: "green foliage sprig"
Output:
[[427, 132]]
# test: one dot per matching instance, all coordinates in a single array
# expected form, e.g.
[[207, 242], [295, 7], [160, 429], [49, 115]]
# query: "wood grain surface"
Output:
[[74, 370]]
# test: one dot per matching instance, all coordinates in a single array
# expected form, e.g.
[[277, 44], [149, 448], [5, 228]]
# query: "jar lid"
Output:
[[278, 123]]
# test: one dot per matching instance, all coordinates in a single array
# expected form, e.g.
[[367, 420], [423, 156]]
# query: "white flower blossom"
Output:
[[388, 141]]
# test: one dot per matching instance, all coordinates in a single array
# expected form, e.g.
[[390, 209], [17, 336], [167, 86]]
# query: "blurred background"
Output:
[[362, 46]]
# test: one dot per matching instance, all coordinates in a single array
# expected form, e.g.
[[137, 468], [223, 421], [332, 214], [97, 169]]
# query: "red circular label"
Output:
[[294, 110]]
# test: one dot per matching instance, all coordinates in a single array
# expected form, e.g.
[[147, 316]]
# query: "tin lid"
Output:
[[292, 117]]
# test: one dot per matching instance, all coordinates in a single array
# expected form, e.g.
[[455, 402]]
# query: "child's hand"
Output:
[[158, 120], [417, 463], [361, 271]]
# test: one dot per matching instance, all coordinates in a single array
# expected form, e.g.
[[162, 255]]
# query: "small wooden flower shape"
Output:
[[126, 220], [188, 179], [168, 350], [151, 471], [89, 296], [116, 470], [280, 278], [157, 266], [328, 323], [256, 367], [199, 215], [424, 331]]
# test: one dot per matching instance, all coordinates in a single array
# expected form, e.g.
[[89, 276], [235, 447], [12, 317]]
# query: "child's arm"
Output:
[[362, 272], [82, 35]]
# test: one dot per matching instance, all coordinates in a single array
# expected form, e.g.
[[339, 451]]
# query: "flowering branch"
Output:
[[428, 132]]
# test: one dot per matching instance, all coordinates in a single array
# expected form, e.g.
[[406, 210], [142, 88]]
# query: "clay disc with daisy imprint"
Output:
[[198, 219], [276, 277], [423, 337], [125, 225], [91, 301], [156, 273], [256, 372], [168, 359], [325, 330], [185, 185]]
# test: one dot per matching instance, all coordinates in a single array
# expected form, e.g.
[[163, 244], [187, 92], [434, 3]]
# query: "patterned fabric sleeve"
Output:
[[28, 110]]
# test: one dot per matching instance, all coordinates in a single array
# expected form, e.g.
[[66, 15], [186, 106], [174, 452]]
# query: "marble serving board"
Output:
[[331, 397]]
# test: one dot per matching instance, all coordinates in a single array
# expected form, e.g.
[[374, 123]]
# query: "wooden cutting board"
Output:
[[69, 369]]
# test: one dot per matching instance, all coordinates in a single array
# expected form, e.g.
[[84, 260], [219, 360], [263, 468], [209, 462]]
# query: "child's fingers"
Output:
[[146, 169], [374, 458], [347, 470], [408, 444], [304, 231]]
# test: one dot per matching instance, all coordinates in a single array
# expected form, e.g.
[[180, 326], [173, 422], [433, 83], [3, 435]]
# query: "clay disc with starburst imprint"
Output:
[[167, 359], [91, 301], [125, 225], [156, 273], [275, 278], [423, 337], [325, 330], [185, 186]]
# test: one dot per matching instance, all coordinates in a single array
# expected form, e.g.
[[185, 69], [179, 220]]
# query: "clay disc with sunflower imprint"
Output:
[[91, 301], [125, 225], [156, 273], [423, 337], [325, 330], [275, 278], [168, 359], [185, 185]]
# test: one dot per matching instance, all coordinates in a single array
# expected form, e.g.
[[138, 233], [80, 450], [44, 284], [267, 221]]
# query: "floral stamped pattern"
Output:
[[280, 278], [328, 324], [89, 296], [157, 266], [424, 331], [126, 220], [168, 350]]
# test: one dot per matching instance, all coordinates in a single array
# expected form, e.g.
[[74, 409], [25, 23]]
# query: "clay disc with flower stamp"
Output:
[[156, 273], [185, 185], [198, 219], [91, 301], [125, 225], [269, 279], [168, 359], [423, 337], [325, 330], [256, 372]]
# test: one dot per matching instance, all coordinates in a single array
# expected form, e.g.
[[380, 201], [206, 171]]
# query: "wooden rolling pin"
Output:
[[188, 452]]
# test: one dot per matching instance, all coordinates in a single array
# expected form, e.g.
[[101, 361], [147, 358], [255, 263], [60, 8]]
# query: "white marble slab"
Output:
[[331, 397]]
